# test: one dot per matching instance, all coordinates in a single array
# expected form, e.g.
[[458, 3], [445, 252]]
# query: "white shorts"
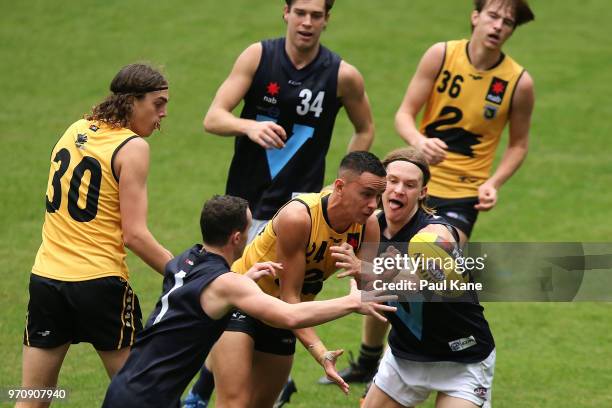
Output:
[[410, 382], [256, 227]]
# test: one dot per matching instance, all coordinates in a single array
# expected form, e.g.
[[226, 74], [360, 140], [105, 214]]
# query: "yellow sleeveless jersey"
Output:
[[467, 109], [81, 236], [319, 263]]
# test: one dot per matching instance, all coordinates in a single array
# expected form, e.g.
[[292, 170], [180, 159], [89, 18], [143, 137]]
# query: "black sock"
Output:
[[205, 385], [369, 356]]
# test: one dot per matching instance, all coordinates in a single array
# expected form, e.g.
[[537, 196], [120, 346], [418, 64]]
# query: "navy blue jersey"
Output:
[[178, 336], [305, 103], [435, 330]]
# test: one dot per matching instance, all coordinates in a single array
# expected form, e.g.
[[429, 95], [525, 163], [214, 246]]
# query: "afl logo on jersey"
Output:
[[496, 91], [490, 112]]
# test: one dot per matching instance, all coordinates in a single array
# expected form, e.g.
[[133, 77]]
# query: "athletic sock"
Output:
[[205, 385], [369, 356]]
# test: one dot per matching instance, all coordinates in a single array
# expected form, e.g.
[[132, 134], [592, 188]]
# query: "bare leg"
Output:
[[40, 368], [446, 401], [232, 359], [113, 360], [376, 398], [275, 369]]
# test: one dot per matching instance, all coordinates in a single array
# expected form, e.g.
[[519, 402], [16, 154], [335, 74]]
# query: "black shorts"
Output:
[[459, 212], [267, 339], [104, 312]]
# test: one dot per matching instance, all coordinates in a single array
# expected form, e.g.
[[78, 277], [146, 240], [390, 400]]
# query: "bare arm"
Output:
[[351, 91], [418, 92], [221, 121], [232, 290], [520, 121], [132, 166]]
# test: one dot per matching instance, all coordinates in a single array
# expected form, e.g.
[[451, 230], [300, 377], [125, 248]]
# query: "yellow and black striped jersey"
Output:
[[319, 263], [82, 237], [467, 109]]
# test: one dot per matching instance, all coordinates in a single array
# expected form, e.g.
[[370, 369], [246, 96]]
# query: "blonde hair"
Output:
[[412, 155]]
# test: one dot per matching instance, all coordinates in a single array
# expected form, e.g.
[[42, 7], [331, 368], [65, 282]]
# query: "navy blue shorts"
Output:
[[267, 339], [459, 212]]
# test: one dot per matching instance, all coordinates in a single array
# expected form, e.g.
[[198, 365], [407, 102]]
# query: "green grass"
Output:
[[58, 59]]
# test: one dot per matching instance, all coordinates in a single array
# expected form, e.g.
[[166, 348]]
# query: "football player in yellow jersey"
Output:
[[470, 91], [311, 236], [96, 206]]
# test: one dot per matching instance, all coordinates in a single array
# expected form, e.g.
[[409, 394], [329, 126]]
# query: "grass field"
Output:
[[58, 59]]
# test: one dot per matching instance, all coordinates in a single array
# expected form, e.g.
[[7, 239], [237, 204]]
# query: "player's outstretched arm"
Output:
[[351, 90], [518, 143], [221, 121], [132, 167], [231, 291], [418, 92]]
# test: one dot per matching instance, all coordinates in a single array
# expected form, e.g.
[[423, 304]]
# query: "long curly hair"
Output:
[[131, 82]]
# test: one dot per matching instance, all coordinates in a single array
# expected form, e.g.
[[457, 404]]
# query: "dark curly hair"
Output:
[[131, 82]]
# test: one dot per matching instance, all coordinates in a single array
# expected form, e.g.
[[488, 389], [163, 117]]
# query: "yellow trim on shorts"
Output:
[[26, 329], [132, 316], [122, 320]]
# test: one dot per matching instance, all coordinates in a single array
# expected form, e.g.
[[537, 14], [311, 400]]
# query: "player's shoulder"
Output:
[[135, 144], [295, 213], [350, 80], [437, 51], [348, 72], [525, 82], [250, 57]]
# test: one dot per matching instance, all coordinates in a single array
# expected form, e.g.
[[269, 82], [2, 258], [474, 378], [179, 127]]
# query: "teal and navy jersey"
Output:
[[178, 336], [305, 103], [435, 330]]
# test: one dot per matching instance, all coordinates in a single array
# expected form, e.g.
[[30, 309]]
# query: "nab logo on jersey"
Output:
[[272, 89], [497, 90]]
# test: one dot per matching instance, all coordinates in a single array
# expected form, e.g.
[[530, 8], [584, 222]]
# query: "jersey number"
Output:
[[305, 106], [93, 192], [455, 84]]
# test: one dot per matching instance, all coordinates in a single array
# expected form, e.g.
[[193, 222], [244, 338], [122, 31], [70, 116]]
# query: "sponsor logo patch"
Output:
[[353, 240], [273, 88], [490, 112], [462, 344], [497, 90]]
